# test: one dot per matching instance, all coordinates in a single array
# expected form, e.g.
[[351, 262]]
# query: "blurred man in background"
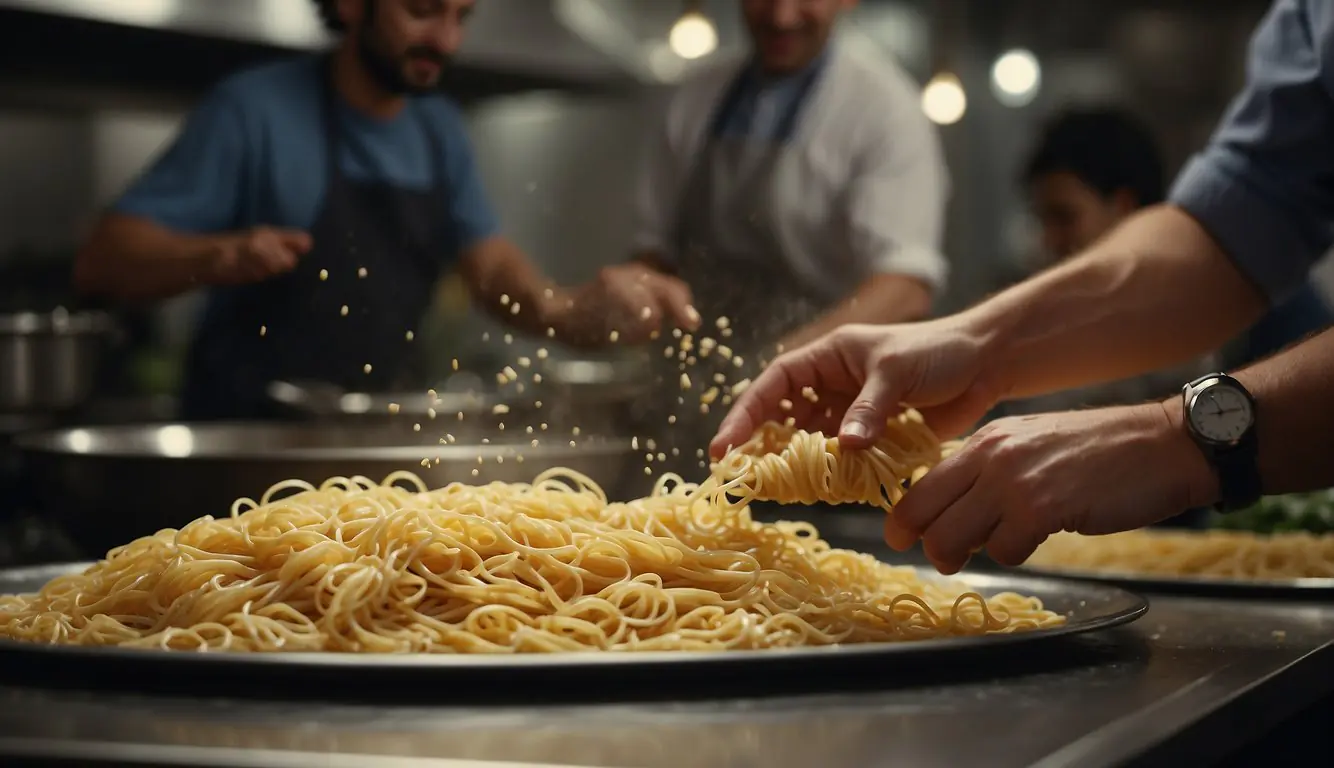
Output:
[[318, 200], [793, 191]]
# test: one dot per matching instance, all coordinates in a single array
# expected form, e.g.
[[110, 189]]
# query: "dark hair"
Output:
[[1106, 148], [329, 15]]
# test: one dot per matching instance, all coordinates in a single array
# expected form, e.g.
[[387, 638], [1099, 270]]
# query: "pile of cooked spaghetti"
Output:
[[1212, 554], [791, 466], [357, 566]]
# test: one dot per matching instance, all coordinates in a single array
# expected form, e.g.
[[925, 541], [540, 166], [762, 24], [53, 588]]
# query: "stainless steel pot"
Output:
[[49, 361], [107, 486]]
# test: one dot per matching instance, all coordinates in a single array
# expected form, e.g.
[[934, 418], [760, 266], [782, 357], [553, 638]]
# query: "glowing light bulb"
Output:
[[1016, 77], [943, 100], [693, 36]]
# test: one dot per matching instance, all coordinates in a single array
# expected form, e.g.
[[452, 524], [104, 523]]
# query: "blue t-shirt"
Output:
[[254, 153]]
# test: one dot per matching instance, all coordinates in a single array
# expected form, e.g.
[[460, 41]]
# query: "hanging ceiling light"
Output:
[[1016, 77], [693, 36], [943, 99]]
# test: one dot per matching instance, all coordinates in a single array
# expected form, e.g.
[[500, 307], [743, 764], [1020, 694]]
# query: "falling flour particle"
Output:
[[409, 335], [343, 310], [416, 427], [685, 381], [263, 330], [475, 473], [499, 409], [393, 407], [537, 378], [809, 394], [634, 443], [722, 323], [614, 336], [504, 299], [739, 387], [648, 470], [525, 362], [575, 431], [528, 429], [645, 313], [366, 368], [509, 339], [486, 336], [361, 272], [430, 413], [676, 333], [324, 274], [671, 419], [542, 353], [785, 404], [454, 364]]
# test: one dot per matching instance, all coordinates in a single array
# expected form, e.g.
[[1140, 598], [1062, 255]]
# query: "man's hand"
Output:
[[1019, 480], [254, 256], [864, 375], [632, 300]]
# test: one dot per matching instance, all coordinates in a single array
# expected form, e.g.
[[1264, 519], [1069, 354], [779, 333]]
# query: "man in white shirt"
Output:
[[792, 192]]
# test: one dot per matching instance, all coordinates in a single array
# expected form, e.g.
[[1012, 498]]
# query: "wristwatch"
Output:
[[1220, 417]]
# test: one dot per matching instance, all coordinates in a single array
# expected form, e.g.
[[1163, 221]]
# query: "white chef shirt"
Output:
[[873, 182]]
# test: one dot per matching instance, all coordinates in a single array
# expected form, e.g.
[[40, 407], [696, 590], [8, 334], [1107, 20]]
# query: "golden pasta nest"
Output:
[[356, 566], [781, 463]]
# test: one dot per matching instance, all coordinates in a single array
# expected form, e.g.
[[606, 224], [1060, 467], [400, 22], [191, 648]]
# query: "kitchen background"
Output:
[[554, 90]]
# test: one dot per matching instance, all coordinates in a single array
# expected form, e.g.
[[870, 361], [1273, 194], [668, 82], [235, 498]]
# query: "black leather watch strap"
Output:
[[1239, 475]]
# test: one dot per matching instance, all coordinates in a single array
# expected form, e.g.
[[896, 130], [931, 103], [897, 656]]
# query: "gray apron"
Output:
[[732, 242]]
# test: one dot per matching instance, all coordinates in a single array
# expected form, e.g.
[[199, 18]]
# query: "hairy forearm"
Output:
[[1294, 394], [881, 299], [132, 259], [506, 284], [1156, 292]]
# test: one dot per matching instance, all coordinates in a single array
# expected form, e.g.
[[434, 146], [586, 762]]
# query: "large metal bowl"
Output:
[[107, 486]]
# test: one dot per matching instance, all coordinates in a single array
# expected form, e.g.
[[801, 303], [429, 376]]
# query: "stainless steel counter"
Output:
[[1192, 678]]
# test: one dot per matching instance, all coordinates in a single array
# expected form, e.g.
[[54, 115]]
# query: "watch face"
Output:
[[1221, 414]]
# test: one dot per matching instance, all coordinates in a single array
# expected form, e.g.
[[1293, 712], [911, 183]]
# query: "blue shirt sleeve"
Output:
[[1264, 187], [196, 185], [470, 209]]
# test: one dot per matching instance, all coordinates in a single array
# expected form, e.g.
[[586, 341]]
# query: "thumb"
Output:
[[676, 295], [294, 240], [865, 420]]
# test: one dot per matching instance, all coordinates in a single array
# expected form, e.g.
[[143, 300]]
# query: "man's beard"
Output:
[[387, 70]]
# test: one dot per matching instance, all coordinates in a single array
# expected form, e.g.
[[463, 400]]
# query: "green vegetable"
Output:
[[1309, 512]]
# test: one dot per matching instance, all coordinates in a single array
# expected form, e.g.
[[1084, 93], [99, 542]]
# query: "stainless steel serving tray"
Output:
[[1090, 607], [1203, 586]]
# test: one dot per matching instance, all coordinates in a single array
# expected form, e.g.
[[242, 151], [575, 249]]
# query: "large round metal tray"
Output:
[[1204, 586], [1089, 608]]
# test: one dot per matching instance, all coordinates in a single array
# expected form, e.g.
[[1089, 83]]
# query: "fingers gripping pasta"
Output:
[[791, 466], [355, 566]]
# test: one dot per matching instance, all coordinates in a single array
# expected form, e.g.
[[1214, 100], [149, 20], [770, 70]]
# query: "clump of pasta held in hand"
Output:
[[548, 566]]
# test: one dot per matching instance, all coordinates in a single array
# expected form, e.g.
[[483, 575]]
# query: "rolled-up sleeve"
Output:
[[1264, 187], [897, 196]]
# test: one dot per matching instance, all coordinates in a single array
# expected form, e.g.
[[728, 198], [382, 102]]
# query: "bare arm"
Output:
[[132, 259], [495, 268], [881, 299], [1156, 292], [1294, 392]]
